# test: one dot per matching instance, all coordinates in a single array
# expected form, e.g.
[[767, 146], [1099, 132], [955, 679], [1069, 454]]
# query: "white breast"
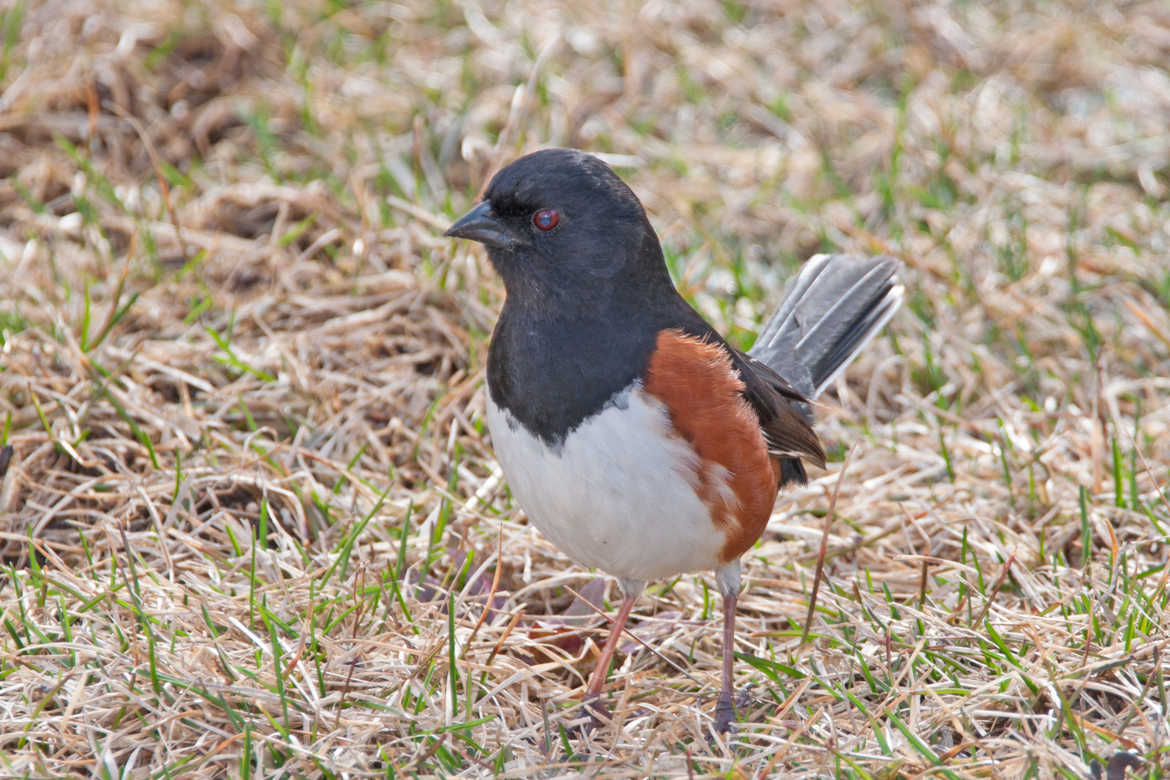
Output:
[[616, 494]]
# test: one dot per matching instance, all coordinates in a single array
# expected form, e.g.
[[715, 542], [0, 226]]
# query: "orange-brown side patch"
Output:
[[736, 477]]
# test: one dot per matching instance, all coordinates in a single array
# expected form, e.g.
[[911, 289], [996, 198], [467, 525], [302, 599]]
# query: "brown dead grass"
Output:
[[248, 523]]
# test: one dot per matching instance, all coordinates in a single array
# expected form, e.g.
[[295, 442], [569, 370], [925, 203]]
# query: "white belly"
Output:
[[616, 494]]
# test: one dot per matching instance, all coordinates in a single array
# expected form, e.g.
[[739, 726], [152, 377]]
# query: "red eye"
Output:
[[546, 219]]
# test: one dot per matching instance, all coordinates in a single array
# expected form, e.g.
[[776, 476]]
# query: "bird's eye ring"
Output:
[[546, 219]]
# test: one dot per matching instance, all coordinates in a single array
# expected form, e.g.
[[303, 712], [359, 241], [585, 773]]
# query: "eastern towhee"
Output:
[[633, 435]]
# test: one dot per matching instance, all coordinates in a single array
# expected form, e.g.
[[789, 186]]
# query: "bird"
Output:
[[633, 435]]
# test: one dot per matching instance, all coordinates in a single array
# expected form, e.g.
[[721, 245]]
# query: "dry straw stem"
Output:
[[249, 517]]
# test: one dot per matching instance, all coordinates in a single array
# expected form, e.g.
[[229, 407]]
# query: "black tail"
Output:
[[830, 311]]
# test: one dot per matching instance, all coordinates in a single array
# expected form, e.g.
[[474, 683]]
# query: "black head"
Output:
[[560, 223]]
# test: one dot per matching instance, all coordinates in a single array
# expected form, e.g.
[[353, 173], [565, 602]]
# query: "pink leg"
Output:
[[725, 708], [597, 681]]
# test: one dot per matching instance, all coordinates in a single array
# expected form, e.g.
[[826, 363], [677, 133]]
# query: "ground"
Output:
[[250, 523]]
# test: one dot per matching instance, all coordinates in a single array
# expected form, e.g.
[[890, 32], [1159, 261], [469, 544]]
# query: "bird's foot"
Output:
[[596, 714], [724, 714], [597, 711]]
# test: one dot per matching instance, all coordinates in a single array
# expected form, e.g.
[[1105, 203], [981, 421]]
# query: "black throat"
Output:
[[555, 363], [550, 375]]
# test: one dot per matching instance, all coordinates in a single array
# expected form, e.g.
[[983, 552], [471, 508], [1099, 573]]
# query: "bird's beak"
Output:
[[481, 225]]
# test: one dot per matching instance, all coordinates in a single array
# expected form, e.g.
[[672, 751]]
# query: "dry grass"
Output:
[[250, 525]]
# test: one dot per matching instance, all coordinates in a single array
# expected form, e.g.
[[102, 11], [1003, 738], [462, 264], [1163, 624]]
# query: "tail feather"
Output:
[[829, 313]]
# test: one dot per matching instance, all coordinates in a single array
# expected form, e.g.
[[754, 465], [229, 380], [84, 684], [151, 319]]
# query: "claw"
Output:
[[724, 714], [598, 715], [597, 711]]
